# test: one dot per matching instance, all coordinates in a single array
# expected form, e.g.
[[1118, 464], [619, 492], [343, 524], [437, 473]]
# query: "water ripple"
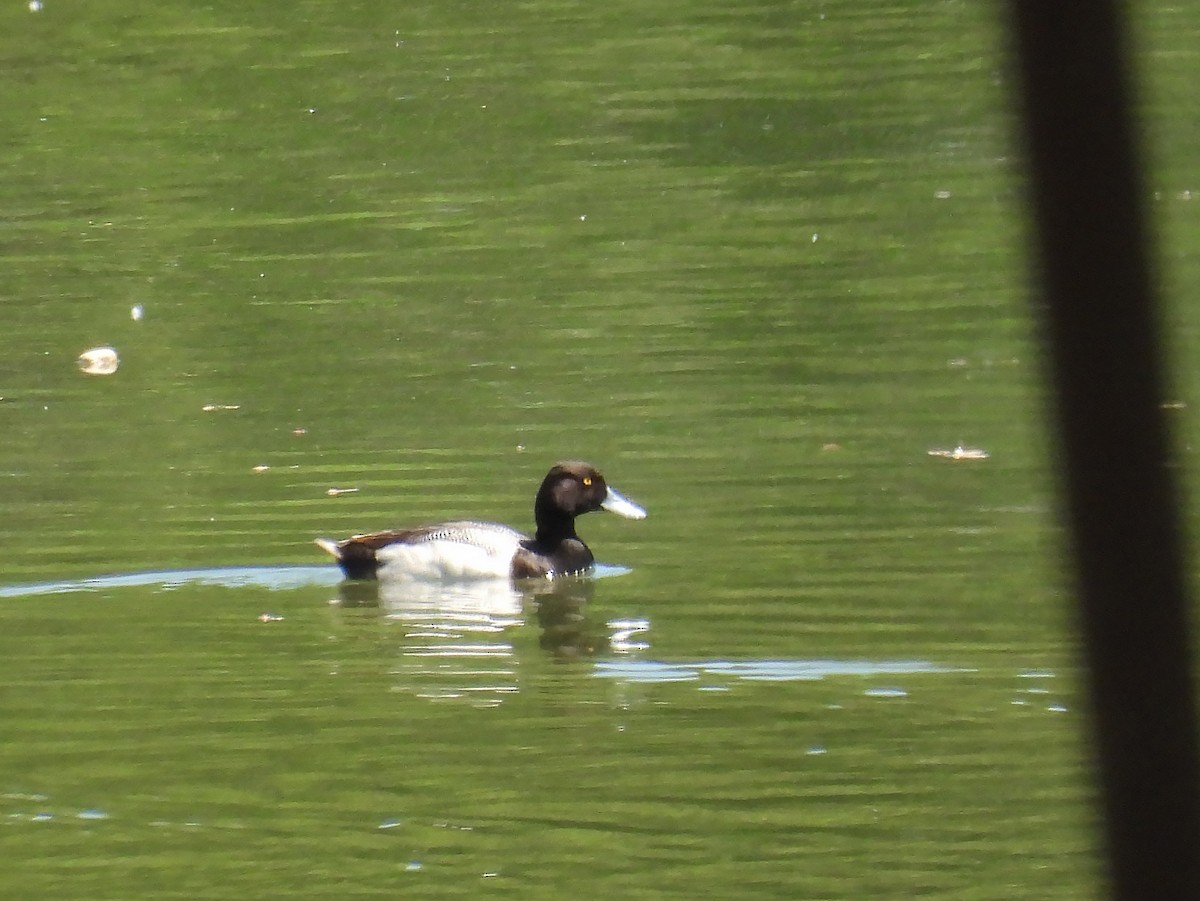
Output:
[[762, 670]]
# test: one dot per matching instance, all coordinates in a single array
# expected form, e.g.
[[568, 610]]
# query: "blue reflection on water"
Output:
[[273, 577], [631, 670]]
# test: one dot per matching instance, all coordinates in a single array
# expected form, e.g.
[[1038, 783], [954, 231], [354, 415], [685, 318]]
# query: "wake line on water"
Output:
[[276, 578], [273, 577]]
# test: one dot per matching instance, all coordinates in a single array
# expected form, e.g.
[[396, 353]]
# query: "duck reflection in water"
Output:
[[471, 617], [471, 642]]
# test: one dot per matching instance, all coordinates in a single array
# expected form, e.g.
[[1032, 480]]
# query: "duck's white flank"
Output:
[[452, 551]]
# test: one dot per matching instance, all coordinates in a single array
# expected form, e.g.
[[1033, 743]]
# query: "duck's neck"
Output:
[[554, 527], [556, 539]]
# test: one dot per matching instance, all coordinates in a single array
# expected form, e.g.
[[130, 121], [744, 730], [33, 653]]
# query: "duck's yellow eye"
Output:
[[587, 481]]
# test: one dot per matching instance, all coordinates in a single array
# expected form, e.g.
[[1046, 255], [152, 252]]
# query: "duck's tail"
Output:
[[356, 557], [332, 548]]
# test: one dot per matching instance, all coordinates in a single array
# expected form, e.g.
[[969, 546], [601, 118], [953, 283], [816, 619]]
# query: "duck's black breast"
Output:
[[534, 560]]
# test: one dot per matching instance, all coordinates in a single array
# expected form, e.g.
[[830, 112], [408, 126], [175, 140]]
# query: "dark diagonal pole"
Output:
[[1096, 301]]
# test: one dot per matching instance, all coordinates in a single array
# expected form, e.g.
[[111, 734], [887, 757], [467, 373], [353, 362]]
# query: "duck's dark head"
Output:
[[571, 489]]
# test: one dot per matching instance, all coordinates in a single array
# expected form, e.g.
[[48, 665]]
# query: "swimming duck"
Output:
[[468, 549]]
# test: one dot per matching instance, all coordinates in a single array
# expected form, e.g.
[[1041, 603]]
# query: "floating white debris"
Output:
[[35, 6], [270, 618], [335, 492], [886, 693], [960, 453], [212, 408], [136, 312], [261, 467], [99, 361]]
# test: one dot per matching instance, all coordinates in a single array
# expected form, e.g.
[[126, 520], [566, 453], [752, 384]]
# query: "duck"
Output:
[[470, 550]]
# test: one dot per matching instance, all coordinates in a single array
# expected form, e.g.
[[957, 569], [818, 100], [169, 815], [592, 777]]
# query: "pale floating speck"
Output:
[[942, 195], [391, 824], [886, 693], [960, 453], [92, 814], [299, 431], [337, 492], [136, 312], [1173, 405], [816, 750], [1057, 708], [99, 361], [213, 408], [261, 467], [270, 618], [413, 866], [35, 6]]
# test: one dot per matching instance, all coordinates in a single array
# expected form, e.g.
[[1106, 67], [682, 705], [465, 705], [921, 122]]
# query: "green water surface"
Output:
[[754, 261]]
